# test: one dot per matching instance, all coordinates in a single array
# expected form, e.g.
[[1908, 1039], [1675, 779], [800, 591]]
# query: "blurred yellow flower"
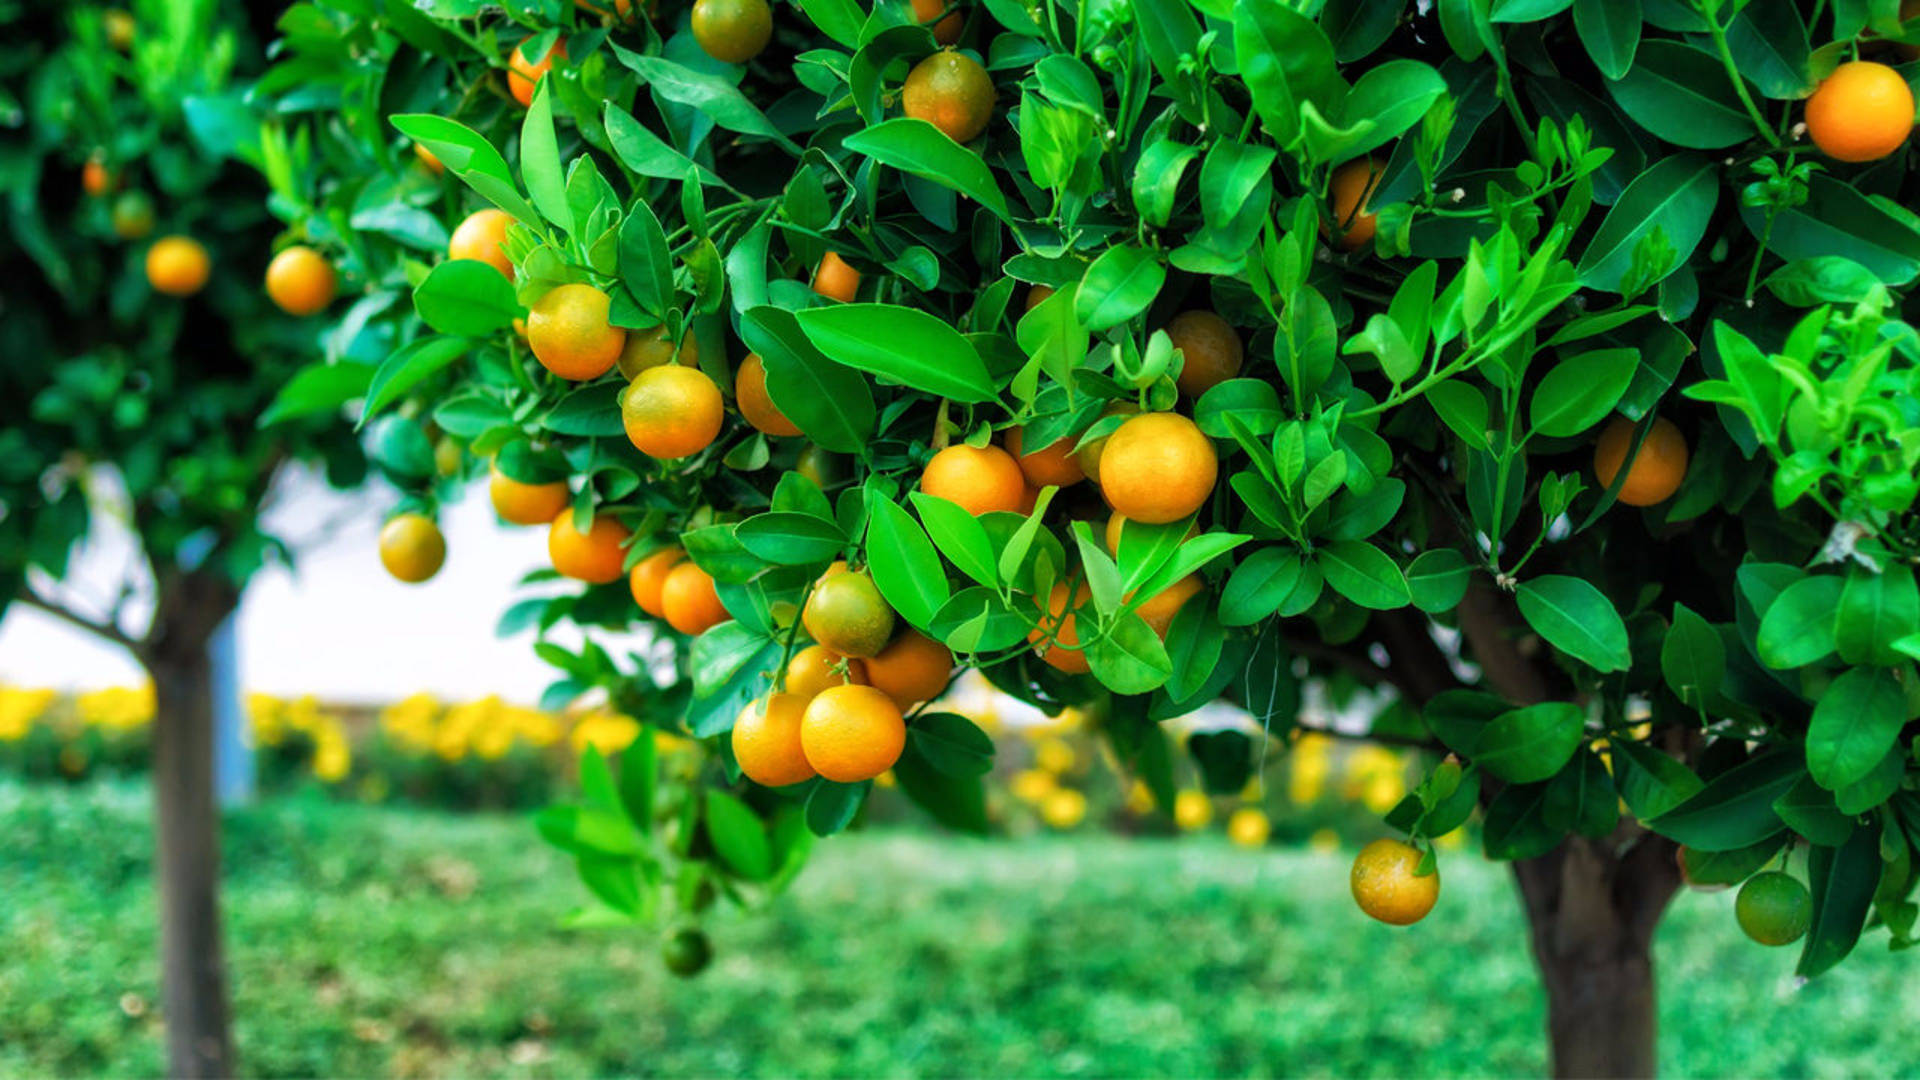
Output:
[[1376, 776], [264, 727], [536, 728], [1063, 808], [607, 732], [1452, 841], [1033, 785], [118, 708], [1383, 792], [19, 708], [1307, 771], [332, 758], [1054, 755], [1192, 810], [492, 742], [1249, 827], [450, 742], [1324, 840], [410, 721], [664, 742]]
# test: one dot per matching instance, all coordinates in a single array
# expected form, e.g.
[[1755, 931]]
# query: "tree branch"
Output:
[[67, 615], [1491, 632]]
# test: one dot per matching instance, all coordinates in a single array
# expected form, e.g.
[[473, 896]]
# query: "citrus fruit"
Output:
[[824, 467], [912, 669], [812, 670], [525, 504], [95, 178], [672, 411], [524, 74], [1211, 350], [1774, 908], [178, 266], [1058, 623], [1861, 112], [411, 547], [132, 215], [597, 556], [686, 953], [836, 280], [1088, 455], [766, 741], [300, 280], [1158, 467], [569, 333], [1386, 887], [429, 160], [482, 236], [651, 349], [750, 393], [1050, 465], [1351, 188], [1192, 810], [648, 579], [447, 456], [1248, 827], [852, 733], [952, 92], [1037, 295], [947, 30], [689, 602], [1657, 469], [733, 31], [847, 614], [978, 480], [1164, 605]]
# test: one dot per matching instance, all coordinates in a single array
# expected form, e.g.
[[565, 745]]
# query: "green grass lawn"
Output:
[[402, 942]]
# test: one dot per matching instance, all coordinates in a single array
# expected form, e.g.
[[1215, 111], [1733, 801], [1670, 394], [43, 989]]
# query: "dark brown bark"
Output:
[[187, 823], [1592, 911]]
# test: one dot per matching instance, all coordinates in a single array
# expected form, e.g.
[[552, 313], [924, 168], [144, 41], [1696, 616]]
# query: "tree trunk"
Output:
[[192, 962], [1593, 906]]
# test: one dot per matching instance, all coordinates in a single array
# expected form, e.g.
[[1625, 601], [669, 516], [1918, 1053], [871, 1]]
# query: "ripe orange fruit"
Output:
[[672, 411], [95, 180], [650, 349], [1062, 653], [812, 670], [526, 504], [1774, 908], [978, 480], [847, 614], [1212, 351], [1158, 467], [733, 31], [483, 236], [852, 733], [429, 160], [952, 92], [300, 280], [1053, 465], [750, 393], [1164, 605], [178, 266], [1385, 886], [648, 579], [1861, 112], [524, 74], [835, 280], [947, 30], [1657, 469], [1352, 187], [689, 602], [120, 27], [766, 741], [1089, 455], [913, 669], [412, 548], [1037, 295], [132, 215], [570, 335], [597, 556]]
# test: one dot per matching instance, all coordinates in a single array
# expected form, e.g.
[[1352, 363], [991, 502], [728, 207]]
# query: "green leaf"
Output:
[[1681, 94], [1854, 724], [639, 778], [1285, 61], [1809, 810], [1257, 586], [540, 160], [645, 265], [466, 297], [829, 402], [1526, 745], [1131, 658], [1119, 285], [645, 153], [1798, 627], [592, 410], [408, 367], [1610, 29], [1577, 619], [1437, 579], [1516, 826], [956, 801], [1463, 408], [1876, 610], [903, 561], [791, 539], [920, 149], [1391, 97], [1843, 881], [1364, 574], [1839, 219], [1677, 197], [952, 744], [738, 836], [318, 388], [1651, 782], [1735, 809], [960, 536], [1253, 403], [709, 95], [471, 158], [1693, 658], [1581, 390], [908, 346], [831, 806]]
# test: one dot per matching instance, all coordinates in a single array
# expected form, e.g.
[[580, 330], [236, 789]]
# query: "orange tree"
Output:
[[138, 351], [1538, 363]]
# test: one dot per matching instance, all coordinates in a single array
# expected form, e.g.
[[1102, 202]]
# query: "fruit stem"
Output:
[[1739, 83]]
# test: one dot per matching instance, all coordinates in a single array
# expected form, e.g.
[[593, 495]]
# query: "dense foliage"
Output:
[[1436, 251]]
